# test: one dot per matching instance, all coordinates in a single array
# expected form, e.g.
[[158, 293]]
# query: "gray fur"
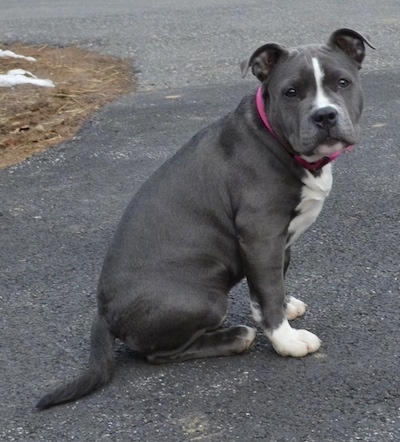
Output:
[[214, 213]]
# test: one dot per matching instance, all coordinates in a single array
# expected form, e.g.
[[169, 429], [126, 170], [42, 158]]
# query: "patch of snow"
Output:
[[20, 76], [11, 54]]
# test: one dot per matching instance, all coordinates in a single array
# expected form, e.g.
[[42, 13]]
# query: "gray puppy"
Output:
[[227, 206]]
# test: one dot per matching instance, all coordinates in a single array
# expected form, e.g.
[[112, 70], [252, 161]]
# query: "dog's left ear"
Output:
[[350, 42], [263, 60]]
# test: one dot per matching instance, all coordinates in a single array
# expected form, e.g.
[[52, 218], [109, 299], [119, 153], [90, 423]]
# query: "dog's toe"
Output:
[[312, 342]]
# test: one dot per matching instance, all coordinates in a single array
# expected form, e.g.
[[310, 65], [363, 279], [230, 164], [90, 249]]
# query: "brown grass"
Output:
[[34, 118]]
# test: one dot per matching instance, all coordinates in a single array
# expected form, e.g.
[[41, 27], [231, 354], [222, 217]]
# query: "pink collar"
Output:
[[317, 165]]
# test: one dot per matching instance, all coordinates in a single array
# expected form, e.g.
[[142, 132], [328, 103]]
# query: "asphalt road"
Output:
[[59, 210]]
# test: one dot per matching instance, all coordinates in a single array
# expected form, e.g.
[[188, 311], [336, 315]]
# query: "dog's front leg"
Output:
[[263, 260], [294, 308]]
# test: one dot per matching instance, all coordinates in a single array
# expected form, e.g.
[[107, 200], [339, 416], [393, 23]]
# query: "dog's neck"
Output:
[[314, 166]]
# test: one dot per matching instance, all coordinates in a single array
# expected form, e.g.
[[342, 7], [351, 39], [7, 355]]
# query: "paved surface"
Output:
[[59, 210]]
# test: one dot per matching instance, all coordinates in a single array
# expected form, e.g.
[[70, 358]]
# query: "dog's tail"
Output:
[[101, 364]]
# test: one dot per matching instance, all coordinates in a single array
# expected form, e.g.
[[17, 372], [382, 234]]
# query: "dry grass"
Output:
[[34, 118]]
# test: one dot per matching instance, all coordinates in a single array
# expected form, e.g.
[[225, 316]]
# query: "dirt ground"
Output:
[[34, 118]]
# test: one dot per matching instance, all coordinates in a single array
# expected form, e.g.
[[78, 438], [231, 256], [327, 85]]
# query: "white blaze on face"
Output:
[[321, 99]]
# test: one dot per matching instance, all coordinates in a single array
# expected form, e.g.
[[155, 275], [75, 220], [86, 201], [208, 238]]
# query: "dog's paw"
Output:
[[294, 308], [288, 341], [246, 335]]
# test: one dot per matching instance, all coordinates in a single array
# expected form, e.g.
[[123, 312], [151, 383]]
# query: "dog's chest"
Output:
[[313, 194]]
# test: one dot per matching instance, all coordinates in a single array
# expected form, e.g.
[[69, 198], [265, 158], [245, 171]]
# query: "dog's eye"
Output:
[[291, 93], [343, 83]]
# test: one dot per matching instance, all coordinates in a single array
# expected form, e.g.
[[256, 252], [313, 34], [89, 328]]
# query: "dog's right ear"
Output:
[[263, 60]]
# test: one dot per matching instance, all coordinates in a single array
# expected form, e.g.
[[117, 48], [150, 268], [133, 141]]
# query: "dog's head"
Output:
[[312, 94]]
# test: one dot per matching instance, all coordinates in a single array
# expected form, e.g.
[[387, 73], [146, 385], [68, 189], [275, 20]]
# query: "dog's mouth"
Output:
[[330, 146], [327, 147], [329, 141]]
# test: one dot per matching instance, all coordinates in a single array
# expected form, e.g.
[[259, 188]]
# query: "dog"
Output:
[[227, 206]]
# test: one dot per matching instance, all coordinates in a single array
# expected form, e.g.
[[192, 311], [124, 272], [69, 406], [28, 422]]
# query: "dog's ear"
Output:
[[263, 60], [350, 42]]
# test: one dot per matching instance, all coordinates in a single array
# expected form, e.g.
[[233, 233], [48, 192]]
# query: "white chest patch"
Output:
[[313, 194]]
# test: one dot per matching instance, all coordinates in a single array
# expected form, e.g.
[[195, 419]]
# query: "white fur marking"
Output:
[[315, 190], [321, 99], [294, 308], [256, 312], [290, 342]]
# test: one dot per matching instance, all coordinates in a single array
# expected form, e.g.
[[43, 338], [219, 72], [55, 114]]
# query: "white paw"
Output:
[[294, 308], [290, 342]]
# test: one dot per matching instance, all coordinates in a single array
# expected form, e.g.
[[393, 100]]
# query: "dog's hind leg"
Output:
[[222, 342]]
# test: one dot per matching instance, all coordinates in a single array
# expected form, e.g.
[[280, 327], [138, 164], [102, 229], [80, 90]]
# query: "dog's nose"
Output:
[[325, 117]]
